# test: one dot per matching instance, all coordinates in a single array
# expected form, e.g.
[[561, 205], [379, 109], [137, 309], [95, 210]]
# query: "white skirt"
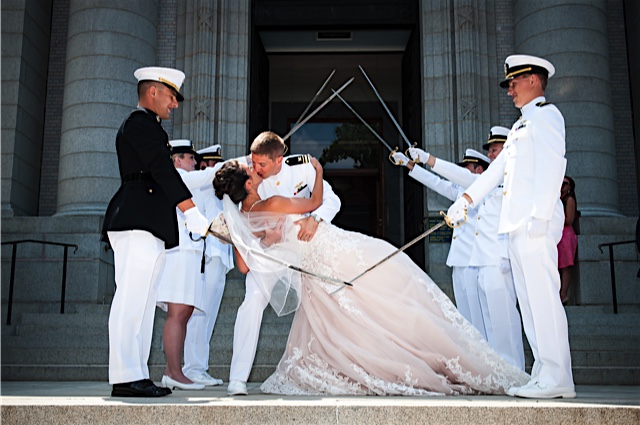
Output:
[[181, 281]]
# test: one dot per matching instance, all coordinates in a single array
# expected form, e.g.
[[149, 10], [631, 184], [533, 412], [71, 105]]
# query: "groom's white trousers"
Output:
[[247, 330]]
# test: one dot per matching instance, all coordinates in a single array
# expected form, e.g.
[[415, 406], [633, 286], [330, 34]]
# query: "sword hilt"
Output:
[[451, 223], [393, 161], [409, 156]]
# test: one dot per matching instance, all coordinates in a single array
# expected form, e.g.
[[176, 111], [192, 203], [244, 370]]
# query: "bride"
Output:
[[394, 332]]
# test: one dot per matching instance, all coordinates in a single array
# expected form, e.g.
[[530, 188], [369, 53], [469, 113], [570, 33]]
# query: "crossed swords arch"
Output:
[[299, 123]]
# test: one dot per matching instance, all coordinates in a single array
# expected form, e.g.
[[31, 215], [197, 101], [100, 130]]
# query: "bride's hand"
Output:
[[273, 234], [316, 164]]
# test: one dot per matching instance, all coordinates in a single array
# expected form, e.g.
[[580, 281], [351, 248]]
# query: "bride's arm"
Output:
[[240, 263], [286, 205]]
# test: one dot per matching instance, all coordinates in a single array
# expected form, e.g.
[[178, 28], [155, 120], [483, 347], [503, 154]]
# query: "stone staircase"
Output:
[[43, 345]]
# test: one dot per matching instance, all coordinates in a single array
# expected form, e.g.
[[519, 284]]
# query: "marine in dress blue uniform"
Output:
[[140, 222]]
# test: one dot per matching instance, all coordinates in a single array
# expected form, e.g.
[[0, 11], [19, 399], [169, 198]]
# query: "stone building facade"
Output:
[[67, 84]]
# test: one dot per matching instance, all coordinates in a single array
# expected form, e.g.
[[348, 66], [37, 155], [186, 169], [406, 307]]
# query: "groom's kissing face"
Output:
[[264, 166]]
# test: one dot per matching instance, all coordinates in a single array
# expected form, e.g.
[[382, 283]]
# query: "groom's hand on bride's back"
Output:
[[308, 227]]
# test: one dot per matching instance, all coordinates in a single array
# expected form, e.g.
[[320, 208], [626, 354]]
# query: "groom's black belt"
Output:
[[137, 177]]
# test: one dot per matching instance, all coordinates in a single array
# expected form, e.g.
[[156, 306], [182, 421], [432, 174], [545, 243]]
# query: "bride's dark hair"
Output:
[[230, 180]]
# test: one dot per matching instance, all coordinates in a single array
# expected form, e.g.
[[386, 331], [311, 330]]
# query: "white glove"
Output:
[[418, 155], [196, 222], [457, 212], [505, 265], [400, 159], [536, 227]]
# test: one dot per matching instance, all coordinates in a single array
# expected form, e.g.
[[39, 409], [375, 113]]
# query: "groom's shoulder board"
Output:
[[297, 159]]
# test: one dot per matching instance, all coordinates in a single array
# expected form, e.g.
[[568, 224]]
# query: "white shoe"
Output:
[[539, 390], [205, 379], [512, 390], [173, 384], [237, 388]]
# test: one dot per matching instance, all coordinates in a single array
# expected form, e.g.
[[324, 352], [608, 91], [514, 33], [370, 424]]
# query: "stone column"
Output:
[[573, 36], [213, 50], [458, 105], [107, 41], [25, 48]]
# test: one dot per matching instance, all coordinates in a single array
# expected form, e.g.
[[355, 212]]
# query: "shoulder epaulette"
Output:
[[541, 104], [297, 159]]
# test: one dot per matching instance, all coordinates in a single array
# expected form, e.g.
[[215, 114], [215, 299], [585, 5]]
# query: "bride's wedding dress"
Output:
[[393, 333]]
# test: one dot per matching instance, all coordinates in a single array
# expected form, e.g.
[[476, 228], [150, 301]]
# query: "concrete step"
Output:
[[79, 403]]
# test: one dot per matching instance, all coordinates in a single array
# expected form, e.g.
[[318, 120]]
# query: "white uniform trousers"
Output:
[[501, 318], [534, 262], [465, 291], [138, 258], [247, 330], [200, 325]]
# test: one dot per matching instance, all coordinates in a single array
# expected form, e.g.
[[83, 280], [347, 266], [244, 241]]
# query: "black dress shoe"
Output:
[[141, 388]]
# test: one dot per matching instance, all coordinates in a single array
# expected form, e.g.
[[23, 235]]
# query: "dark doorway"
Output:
[[301, 42]]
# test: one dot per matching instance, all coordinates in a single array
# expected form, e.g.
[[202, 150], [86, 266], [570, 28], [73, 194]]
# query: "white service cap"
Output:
[[170, 77], [515, 65]]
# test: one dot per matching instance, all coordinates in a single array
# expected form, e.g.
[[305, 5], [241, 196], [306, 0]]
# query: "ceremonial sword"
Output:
[[371, 130], [385, 108], [315, 97], [399, 250], [315, 111], [279, 261]]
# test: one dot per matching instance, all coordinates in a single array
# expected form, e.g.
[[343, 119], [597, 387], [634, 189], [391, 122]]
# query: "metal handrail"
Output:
[[13, 270], [613, 270]]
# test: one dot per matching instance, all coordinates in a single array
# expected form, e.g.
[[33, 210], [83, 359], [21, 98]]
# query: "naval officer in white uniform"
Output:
[[293, 176], [532, 167], [218, 260], [489, 255], [180, 288], [464, 278]]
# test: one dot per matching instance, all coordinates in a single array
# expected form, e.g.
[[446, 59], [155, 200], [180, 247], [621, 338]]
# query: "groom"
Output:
[[291, 177]]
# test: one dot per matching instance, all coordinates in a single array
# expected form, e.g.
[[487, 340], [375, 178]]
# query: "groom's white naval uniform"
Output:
[[532, 167], [295, 179], [490, 257]]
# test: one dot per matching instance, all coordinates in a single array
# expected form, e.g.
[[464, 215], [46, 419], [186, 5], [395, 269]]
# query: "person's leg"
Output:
[[200, 325], [247, 330], [138, 259], [539, 262], [565, 281], [470, 285], [501, 314], [173, 339]]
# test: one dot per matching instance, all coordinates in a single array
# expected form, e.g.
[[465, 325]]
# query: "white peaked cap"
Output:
[[497, 134], [515, 65], [170, 77]]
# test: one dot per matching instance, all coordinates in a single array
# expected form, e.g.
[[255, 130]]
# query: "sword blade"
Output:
[[397, 251], [281, 262], [385, 107], [315, 111], [315, 97], [364, 122]]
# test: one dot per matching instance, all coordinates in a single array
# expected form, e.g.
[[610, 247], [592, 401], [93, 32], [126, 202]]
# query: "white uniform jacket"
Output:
[[489, 247], [462, 239], [297, 181], [212, 208], [535, 147], [195, 180]]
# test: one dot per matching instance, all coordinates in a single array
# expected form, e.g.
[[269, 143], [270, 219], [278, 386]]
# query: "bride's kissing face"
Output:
[[254, 176]]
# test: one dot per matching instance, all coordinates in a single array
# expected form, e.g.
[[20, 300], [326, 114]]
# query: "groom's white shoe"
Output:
[[237, 388], [513, 390]]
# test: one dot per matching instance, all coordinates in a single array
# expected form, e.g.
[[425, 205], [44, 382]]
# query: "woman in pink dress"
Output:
[[393, 333], [569, 243]]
